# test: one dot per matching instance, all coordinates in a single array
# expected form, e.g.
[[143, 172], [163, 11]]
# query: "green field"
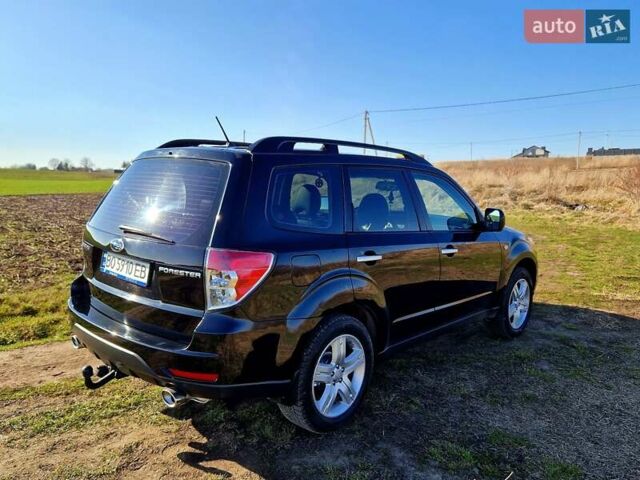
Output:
[[583, 262], [15, 181]]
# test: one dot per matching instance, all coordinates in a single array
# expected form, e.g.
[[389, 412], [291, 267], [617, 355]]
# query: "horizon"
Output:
[[75, 167]]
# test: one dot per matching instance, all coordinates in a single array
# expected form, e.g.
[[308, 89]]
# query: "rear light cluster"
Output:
[[230, 275]]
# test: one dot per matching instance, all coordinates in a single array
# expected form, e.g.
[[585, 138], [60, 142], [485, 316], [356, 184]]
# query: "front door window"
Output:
[[447, 209]]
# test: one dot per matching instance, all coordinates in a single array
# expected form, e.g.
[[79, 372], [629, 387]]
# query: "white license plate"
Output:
[[125, 268]]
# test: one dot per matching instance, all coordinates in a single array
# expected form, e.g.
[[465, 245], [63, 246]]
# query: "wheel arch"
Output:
[[529, 265], [341, 292], [520, 254], [369, 314]]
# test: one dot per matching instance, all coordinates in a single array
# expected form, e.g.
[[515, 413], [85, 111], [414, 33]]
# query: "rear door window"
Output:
[[381, 201], [177, 199], [305, 198]]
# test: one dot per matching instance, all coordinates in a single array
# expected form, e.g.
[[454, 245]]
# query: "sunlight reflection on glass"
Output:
[[151, 214]]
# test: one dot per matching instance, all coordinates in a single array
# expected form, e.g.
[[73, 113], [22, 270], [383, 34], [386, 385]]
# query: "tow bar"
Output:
[[105, 374]]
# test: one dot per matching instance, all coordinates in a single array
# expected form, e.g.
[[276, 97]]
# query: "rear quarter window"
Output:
[[305, 198], [177, 199]]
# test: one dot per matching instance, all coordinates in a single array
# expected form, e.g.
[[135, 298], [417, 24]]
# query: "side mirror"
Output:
[[494, 219]]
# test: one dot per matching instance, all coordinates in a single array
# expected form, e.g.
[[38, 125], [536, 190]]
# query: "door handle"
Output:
[[449, 251], [368, 258]]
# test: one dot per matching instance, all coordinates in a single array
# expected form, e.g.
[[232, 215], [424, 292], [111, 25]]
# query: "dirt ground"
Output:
[[562, 401], [31, 366], [42, 235]]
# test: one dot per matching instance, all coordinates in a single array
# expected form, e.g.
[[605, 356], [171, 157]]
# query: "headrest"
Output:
[[374, 211], [306, 200]]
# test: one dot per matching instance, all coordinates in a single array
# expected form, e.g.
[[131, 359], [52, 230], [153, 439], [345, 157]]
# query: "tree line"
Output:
[[65, 165], [85, 164]]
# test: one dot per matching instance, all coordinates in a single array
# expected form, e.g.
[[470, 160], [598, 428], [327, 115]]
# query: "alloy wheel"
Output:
[[519, 302], [338, 376]]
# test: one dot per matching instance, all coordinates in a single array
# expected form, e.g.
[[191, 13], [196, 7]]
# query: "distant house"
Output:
[[533, 152], [612, 151]]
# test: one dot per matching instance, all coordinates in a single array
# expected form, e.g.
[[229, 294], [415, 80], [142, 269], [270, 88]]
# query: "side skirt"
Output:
[[439, 330]]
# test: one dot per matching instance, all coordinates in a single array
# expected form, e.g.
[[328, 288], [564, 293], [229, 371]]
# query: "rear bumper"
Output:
[[147, 357]]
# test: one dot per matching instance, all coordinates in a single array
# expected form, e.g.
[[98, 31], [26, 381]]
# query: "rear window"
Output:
[[171, 198]]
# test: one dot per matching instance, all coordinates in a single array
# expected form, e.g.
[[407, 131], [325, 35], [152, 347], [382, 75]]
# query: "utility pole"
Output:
[[244, 135], [471, 151], [607, 140], [366, 123], [578, 156], [373, 140]]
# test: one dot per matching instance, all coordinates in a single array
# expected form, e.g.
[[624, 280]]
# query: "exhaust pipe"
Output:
[[175, 398], [75, 341]]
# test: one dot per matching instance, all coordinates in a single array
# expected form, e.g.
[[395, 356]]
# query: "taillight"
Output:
[[232, 274]]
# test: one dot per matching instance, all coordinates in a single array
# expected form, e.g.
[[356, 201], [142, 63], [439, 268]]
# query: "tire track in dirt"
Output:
[[39, 364]]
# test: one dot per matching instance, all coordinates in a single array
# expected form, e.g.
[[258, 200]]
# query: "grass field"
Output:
[[37, 182], [561, 402]]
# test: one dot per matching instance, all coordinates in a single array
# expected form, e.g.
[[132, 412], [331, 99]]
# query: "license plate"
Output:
[[125, 268]]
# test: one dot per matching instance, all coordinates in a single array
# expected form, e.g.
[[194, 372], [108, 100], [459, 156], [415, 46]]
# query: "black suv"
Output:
[[284, 268]]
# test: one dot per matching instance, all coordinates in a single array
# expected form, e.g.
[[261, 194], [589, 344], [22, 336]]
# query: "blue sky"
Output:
[[108, 79]]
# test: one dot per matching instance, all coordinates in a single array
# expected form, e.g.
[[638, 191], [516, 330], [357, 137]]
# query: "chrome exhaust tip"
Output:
[[172, 398], [75, 341]]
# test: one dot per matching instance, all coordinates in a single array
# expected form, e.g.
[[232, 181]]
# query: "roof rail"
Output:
[[194, 142], [287, 144]]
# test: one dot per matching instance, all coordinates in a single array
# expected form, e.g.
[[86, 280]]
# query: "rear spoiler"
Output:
[[194, 142]]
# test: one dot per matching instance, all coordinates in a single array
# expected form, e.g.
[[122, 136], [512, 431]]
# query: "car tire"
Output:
[[334, 373], [515, 305]]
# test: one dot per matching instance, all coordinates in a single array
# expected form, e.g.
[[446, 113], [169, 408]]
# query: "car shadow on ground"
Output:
[[562, 399]]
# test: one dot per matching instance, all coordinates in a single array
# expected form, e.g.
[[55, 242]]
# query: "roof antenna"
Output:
[[223, 132]]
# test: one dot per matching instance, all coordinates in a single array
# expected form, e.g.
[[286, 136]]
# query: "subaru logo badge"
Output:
[[117, 245]]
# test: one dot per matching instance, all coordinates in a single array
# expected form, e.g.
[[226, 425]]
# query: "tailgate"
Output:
[[145, 245]]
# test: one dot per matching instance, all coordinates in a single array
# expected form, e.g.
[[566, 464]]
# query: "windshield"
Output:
[[177, 199]]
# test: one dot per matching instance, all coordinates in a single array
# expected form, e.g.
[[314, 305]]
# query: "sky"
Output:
[[108, 80]]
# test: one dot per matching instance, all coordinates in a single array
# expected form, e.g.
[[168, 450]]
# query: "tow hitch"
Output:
[[105, 374]]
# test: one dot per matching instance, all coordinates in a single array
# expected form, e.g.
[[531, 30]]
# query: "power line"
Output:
[[501, 140], [506, 100], [584, 133], [471, 104], [328, 124], [515, 110]]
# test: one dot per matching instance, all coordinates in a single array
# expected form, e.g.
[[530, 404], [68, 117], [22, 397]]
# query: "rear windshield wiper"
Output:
[[142, 233]]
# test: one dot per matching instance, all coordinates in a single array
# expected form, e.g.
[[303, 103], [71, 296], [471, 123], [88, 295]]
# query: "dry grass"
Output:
[[630, 184], [607, 188]]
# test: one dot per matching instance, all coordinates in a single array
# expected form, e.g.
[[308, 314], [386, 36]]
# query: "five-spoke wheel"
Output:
[[334, 373]]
